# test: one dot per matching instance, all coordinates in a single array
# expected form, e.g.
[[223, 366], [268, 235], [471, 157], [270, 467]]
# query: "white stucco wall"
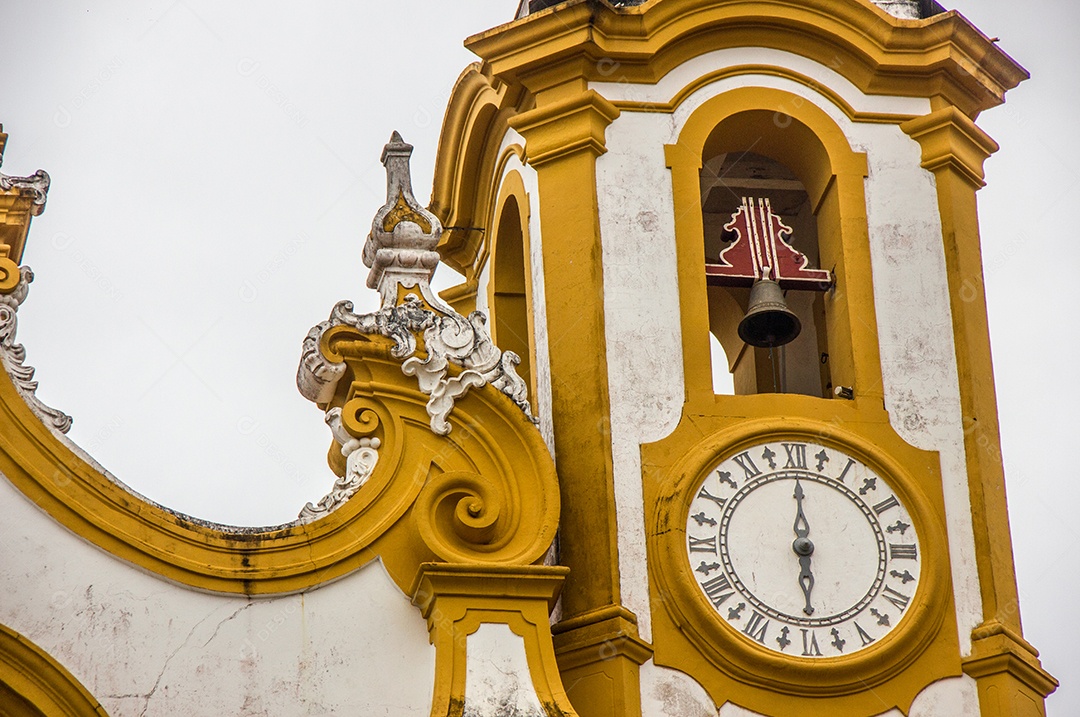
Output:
[[497, 677], [642, 301], [147, 647]]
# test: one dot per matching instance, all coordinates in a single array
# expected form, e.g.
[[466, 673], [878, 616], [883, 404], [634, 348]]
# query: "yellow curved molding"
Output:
[[756, 676], [750, 69], [491, 438], [944, 58], [468, 145], [34, 684]]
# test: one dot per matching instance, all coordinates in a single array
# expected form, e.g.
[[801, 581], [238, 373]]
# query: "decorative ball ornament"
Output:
[[802, 549]]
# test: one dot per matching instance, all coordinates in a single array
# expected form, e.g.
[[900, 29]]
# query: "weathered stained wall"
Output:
[[144, 646]]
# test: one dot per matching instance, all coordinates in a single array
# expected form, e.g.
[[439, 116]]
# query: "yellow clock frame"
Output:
[[690, 636]]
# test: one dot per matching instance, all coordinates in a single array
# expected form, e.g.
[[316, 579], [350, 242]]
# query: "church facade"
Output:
[[543, 504]]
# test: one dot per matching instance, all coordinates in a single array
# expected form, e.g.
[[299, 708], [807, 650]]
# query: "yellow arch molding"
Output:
[[33, 684], [465, 162], [513, 186], [409, 512], [736, 70]]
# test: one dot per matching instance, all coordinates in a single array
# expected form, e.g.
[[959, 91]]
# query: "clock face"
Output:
[[803, 549]]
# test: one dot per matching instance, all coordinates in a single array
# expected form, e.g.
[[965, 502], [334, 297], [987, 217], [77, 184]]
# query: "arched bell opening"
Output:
[[739, 176], [510, 289]]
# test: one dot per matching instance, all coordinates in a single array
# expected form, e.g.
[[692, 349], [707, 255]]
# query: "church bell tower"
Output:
[[642, 195]]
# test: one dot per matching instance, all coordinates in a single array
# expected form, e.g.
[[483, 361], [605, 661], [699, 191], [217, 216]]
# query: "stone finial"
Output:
[[400, 249]]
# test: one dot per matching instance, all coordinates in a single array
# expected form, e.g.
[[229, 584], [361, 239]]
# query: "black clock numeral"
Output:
[[903, 552], [709, 496], [756, 627], [702, 545], [864, 637], [850, 463], [747, 464], [718, 589], [796, 455], [898, 599], [809, 643], [725, 477], [884, 505]]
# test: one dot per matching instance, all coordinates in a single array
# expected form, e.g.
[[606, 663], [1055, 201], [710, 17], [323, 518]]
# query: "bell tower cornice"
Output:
[[944, 57]]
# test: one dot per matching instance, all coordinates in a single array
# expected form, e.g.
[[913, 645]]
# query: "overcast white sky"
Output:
[[215, 170]]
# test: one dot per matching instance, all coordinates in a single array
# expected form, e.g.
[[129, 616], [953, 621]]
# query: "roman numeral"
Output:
[[850, 463], [809, 644], [884, 505], [703, 545], [902, 552], [747, 464], [796, 455], [899, 600], [863, 636], [709, 496], [718, 589], [756, 627]]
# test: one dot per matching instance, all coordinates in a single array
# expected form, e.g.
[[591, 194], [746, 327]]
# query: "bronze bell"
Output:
[[768, 322]]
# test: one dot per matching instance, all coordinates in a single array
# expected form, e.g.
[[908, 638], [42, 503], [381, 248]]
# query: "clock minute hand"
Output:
[[804, 548]]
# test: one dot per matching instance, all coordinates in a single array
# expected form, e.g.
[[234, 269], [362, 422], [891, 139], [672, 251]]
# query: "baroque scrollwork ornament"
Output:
[[361, 456], [400, 250], [36, 185], [14, 354]]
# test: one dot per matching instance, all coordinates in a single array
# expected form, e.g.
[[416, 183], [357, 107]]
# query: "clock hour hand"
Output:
[[803, 548]]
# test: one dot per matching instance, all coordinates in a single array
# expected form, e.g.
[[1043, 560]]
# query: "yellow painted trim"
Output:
[[485, 493], [514, 186], [570, 125], [462, 297], [890, 673], [811, 144], [456, 599], [599, 655], [34, 684], [472, 131], [1005, 666], [9, 272], [943, 58], [564, 135], [17, 208], [738, 70]]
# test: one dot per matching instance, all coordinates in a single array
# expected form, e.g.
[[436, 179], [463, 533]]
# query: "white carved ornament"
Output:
[[400, 250], [361, 455], [14, 354]]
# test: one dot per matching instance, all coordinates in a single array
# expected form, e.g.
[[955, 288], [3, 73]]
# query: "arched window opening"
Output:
[[727, 180], [510, 296]]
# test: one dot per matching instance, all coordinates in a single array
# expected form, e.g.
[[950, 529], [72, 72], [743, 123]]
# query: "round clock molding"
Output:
[[850, 563], [803, 549]]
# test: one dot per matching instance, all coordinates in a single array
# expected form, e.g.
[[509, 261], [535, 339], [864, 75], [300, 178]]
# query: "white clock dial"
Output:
[[803, 549]]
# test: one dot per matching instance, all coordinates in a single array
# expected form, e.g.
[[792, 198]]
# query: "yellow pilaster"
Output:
[[456, 599], [597, 640], [1011, 680]]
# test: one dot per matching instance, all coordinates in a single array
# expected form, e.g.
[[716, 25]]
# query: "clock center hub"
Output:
[[803, 546]]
